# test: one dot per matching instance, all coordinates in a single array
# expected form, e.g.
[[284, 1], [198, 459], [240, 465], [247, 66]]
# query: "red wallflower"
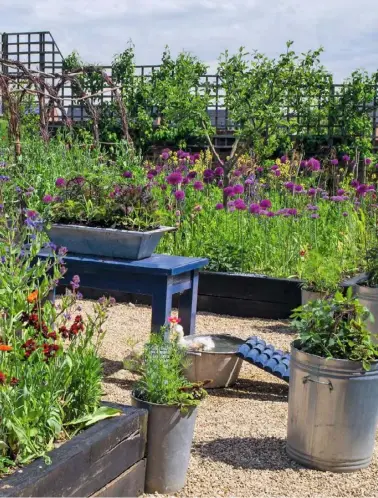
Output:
[[14, 381], [50, 350], [30, 345]]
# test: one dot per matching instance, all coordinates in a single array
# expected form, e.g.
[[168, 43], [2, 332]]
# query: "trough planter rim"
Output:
[[200, 353], [85, 228]]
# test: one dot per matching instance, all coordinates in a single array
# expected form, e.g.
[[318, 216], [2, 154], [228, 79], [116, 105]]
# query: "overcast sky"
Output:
[[98, 29]]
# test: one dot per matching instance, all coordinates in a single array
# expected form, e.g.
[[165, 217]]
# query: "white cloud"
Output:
[[100, 28]]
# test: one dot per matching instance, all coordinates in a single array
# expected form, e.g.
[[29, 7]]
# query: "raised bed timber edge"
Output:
[[107, 459], [235, 294]]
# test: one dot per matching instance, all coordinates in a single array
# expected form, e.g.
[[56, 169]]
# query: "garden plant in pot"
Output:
[[96, 215], [321, 277], [366, 290], [333, 391], [171, 401]]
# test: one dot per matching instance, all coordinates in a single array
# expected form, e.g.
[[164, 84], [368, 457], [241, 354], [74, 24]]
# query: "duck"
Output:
[[194, 343]]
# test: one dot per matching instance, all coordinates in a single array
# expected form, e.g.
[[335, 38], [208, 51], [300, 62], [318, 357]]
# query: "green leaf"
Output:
[[100, 414]]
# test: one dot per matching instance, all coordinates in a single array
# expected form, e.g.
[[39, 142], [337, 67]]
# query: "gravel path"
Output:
[[239, 446]]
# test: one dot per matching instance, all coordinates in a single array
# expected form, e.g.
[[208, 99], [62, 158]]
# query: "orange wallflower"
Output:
[[33, 296], [5, 347]]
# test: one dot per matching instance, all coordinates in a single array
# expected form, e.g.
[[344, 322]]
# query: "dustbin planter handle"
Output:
[[309, 379]]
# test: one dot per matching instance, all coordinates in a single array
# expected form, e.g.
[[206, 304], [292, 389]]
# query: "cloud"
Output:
[[98, 29]]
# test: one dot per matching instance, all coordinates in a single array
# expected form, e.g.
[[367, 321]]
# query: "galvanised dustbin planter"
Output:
[[333, 412], [308, 295], [169, 440], [107, 242]]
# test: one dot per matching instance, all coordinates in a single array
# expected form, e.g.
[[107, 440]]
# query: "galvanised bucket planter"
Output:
[[169, 441], [311, 295], [368, 297], [107, 242], [333, 412]]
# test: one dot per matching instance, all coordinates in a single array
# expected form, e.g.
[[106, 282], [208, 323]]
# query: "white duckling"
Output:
[[195, 343]]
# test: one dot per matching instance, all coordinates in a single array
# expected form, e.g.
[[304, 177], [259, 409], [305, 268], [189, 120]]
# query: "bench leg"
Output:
[[188, 306], [161, 309]]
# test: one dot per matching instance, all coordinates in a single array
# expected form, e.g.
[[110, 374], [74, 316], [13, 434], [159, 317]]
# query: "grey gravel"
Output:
[[239, 444]]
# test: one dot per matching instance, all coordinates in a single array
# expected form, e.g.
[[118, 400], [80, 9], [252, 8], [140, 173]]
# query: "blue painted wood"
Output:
[[266, 357], [188, 305], [157, 264], [160, 276]]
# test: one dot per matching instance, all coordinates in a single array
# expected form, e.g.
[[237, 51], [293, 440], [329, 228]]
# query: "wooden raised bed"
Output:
[[235, 294], [107, 459]]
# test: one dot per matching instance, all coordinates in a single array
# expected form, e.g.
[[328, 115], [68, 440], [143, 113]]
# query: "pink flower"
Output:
[[47, 199]]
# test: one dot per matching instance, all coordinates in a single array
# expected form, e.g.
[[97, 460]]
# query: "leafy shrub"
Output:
[[321, 274], [50, 371], [336, 328]]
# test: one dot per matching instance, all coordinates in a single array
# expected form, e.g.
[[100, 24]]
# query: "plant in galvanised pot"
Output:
[[321, 277], [99, 216], [171, 401], [366, 290], [333, 391]]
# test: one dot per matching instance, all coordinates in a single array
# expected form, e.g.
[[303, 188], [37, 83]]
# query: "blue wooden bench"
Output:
[[159, 276]]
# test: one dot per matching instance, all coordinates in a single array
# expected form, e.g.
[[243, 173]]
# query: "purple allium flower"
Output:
[[311, 191], [192, 175], [340, 191], [79, 180], [298, 188], [127, 174], [208, 175], [219, 171], [179, 195], [163, 186], [153, 172], [334, 162], [292, 212], [219, 206], [231, 206], [165, 155], [270, 214], [354, 183], [220, 184], [238, 189], [240, 205], [277, 172], [265, 203], [174, 178], [314, 215], [289, 185], [303, 164], [196, 156], [229, 191], [284, 159], [313, 164], [149, 176], [367, 161], [60, 182], [337, 198], [259, 169], [345, 213], [310, 207], [254, 208], [185, 180], [237, 173], [47, 198], [346, 158], [198, 185], [249, 181], [361, 189], [274, 167], [370, 188]]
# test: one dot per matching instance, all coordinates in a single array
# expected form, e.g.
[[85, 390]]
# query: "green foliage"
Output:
[[372, 267], [162, 380], [95, 200], [321, 274], [336, 328], [50, 370]]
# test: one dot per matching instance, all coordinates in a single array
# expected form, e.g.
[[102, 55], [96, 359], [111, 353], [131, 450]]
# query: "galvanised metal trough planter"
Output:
[[107, 459], [107, 242]]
